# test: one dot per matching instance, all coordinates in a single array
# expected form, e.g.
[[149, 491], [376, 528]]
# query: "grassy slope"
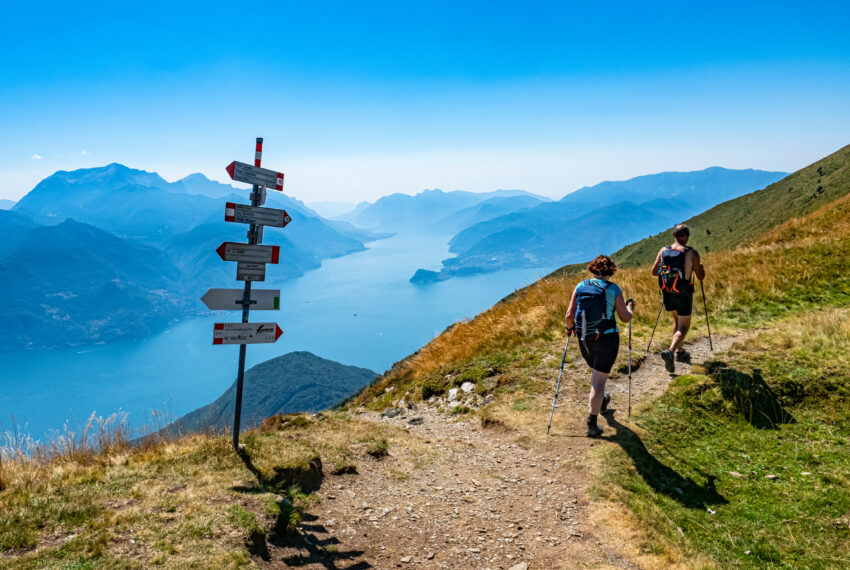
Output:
[[192, 503]]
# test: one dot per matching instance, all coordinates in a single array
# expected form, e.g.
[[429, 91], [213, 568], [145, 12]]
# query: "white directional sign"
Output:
[[231, 299], [230, 251], [245, 333], [245, 214], [247, 271], [249, 174]]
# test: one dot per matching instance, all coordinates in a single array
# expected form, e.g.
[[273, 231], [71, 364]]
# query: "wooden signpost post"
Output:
[[251, 261]]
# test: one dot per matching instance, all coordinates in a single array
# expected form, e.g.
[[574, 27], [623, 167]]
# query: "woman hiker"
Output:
[[590, 317]]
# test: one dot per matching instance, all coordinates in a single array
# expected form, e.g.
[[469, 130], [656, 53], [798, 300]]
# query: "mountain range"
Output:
[[114, 252], [595, 219], [436, 210]]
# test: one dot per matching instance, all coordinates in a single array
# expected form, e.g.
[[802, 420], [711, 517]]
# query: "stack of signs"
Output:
[[251, 259]]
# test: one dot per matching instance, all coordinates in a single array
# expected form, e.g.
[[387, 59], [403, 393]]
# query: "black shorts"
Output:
[[600, 353], [682, 303]]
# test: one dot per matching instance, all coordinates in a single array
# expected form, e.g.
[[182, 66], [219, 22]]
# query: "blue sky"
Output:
[[357, 100]]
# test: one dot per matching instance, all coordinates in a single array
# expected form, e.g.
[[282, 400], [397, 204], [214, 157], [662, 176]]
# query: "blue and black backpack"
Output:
[[671, 272], [592, 316]]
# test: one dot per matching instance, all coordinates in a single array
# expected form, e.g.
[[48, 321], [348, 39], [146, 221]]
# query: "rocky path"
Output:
[[478, 498]]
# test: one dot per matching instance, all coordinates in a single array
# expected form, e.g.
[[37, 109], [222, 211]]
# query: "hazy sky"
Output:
[[360, 99]]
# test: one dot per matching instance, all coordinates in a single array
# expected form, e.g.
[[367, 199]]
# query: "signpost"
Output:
[[244, 214], [245, 333], [231, 299], [251, 261]]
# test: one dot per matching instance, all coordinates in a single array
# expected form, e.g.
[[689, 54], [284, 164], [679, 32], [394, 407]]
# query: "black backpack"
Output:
[[671, 272], [592, 311]]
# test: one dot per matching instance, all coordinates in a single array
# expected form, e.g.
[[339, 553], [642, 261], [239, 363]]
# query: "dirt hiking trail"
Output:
[[475, 497]]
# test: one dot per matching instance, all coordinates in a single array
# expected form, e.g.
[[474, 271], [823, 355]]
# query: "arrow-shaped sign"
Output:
[[249, 174], [230, 251], [245, 333], [245, 214], [231, 299]]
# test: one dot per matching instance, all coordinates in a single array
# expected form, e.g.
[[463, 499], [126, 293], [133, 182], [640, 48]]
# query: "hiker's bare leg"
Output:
[[684, 324], [675, 327], [597, 391]]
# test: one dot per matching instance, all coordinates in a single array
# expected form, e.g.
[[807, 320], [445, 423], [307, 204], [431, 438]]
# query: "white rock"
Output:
[[520, 566], [453, 394], [406, 559], [467, 387]]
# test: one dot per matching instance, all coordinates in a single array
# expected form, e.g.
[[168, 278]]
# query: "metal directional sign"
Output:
[[231, 299], [245, 214], [230, 251], [245, 333], [247, 271], [249, 174]]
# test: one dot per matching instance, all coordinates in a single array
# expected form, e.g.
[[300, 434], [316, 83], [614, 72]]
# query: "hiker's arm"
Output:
[[570, 317], [623, 310], [657, 263], [697, 266]]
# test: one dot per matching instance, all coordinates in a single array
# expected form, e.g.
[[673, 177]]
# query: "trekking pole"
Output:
[[656, 324], [707, 323], [630, 368], [558, 385]]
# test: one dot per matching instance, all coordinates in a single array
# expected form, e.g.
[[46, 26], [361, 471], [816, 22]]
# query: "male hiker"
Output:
[[674, 266], [591, 315]]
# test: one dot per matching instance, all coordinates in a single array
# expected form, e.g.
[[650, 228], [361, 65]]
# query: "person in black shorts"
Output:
[[590, 317], [675, 266]]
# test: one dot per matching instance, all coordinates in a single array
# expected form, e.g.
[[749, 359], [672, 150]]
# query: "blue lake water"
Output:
[[359, 310]]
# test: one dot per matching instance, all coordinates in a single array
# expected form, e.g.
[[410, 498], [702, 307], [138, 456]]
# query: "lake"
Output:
[[359, 309]]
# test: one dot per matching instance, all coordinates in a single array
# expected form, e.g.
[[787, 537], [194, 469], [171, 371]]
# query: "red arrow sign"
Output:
[[250, 174], [245, 333], [230, 251]]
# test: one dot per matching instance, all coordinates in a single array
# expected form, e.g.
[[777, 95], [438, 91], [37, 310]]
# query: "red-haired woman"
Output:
[[591, 317]]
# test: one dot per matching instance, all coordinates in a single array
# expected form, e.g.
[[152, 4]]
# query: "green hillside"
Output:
[[743, 219]]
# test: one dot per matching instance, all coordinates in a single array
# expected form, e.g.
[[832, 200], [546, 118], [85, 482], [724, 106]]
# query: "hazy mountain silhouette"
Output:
[[73, 284], [596, 219], [423, 211]]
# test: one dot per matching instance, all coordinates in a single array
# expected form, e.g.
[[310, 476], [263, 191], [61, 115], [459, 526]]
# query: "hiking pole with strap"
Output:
[[630, 367], [707, 323], [661, 308], [558, 385]]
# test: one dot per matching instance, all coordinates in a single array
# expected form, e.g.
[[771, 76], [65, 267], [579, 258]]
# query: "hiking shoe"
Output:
[[606, 399], [593, 430], [669, 362], [683, 356]]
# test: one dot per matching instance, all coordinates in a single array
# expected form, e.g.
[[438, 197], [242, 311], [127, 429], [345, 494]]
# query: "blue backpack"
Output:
[[592, 312]]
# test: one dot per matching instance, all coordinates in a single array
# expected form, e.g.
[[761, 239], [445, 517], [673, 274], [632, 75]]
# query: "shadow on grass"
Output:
[[303, 545], [660, 477], [751, 395]]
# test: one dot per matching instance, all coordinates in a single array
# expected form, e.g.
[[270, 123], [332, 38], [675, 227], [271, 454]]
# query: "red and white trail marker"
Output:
[[245, 333], [230, 251], [249, 174], [245, 214]]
